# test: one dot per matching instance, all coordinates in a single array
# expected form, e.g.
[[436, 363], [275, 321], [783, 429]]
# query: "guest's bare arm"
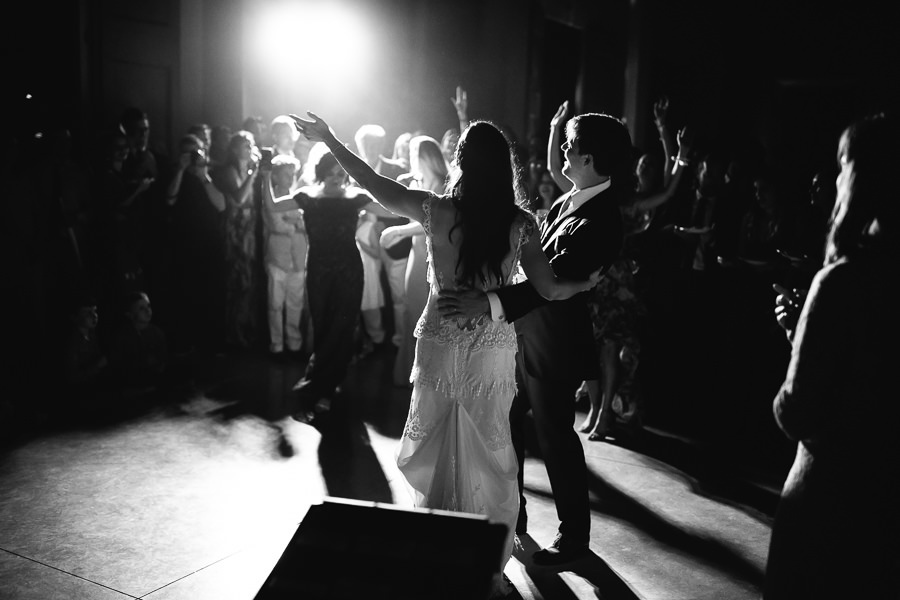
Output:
[[280, 204]]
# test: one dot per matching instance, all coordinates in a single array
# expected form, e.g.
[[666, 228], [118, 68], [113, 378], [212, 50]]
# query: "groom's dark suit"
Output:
[[557, 350]]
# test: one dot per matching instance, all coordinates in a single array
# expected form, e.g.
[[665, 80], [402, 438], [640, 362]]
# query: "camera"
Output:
[[265, 161]]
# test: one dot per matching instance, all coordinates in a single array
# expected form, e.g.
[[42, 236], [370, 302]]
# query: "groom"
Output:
[[582, 233]]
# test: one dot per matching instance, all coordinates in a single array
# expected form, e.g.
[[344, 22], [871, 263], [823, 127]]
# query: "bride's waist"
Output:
[[463, 330]]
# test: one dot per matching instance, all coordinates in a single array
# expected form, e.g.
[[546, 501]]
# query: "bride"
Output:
[[456, 452]]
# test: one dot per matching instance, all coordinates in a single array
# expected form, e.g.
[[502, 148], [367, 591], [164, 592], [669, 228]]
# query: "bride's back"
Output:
[[445, 246], [481, 203]]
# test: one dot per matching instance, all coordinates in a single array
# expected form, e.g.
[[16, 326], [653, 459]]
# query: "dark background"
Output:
[[789, 74]]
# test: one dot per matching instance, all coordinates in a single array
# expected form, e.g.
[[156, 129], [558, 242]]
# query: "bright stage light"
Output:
[[323, 42]]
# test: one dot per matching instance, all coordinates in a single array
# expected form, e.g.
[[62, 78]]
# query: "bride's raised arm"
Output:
[[393, 196]]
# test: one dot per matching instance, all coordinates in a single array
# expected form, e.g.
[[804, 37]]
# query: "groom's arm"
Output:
[[513, 301], [594, 244], [590, 246], [504, 304]]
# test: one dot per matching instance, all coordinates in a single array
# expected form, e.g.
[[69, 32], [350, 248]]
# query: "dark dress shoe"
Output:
[[598, 437], [561, 551], [522, 522]]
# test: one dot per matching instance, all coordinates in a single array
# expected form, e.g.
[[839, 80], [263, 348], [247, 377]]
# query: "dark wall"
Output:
[[41, 61], [783, 72], [789, 74]]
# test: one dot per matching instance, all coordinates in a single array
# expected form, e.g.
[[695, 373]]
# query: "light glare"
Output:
[[326, 42]]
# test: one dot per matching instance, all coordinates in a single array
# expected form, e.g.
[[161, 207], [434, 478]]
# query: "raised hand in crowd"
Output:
[[461, 104], [660, 118]]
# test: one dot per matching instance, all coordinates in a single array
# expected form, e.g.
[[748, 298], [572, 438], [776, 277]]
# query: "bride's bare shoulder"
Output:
[[524, 217], [442, 206], [441, 202]]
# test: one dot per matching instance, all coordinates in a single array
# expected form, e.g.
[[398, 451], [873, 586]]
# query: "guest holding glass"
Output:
[[837, 524]]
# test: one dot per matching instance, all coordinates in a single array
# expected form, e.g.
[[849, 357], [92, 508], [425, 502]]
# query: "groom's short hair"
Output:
[[606, 139]]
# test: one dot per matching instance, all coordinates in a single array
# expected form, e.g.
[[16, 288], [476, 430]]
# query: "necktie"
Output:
[[567, 205], [551, 226]]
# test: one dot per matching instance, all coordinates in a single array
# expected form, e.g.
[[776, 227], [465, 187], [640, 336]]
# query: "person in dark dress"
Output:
[[198, 240], [334, 275]]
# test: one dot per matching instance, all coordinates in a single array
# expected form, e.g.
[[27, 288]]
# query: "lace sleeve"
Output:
[[526, 230], [429, 249], [529, 227], [426, 208]]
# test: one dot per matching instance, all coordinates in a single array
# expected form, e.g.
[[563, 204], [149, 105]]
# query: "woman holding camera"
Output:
[[198, 217], [244, 311]]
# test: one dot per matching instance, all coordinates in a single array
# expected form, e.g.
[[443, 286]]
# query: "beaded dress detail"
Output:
[[456, 451]]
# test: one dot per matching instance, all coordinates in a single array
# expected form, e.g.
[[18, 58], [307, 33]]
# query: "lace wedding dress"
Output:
[[456, 451]]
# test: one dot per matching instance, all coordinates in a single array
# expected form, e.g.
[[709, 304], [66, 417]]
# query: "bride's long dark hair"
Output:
[[486, 189]]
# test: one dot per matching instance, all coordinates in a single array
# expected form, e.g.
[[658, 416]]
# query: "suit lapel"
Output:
[[556, 227], [551, 223], [553, 232]]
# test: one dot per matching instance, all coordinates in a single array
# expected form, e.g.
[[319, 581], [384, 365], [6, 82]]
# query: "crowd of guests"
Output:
[[710, 229]]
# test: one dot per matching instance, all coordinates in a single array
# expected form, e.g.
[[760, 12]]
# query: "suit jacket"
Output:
[[556, 338]]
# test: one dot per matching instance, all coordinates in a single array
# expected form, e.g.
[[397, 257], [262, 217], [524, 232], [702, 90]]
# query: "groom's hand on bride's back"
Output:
[[463, 303]]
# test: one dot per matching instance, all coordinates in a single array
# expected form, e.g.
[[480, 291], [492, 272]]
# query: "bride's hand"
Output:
[[314, 129], [596, 277]]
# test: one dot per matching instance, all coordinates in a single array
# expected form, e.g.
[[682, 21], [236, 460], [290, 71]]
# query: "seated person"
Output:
[[138, 351], [86, 368]]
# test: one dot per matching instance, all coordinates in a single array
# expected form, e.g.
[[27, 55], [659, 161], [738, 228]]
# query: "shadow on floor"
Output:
[[349, 465], [711, 472], [263, 386], [592, 568], [615, 503]]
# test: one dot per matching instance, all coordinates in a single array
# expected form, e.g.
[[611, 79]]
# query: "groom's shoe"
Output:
[[561, 551], [522, 521]]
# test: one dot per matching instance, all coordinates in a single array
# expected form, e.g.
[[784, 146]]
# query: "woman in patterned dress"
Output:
[[236, 180]]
